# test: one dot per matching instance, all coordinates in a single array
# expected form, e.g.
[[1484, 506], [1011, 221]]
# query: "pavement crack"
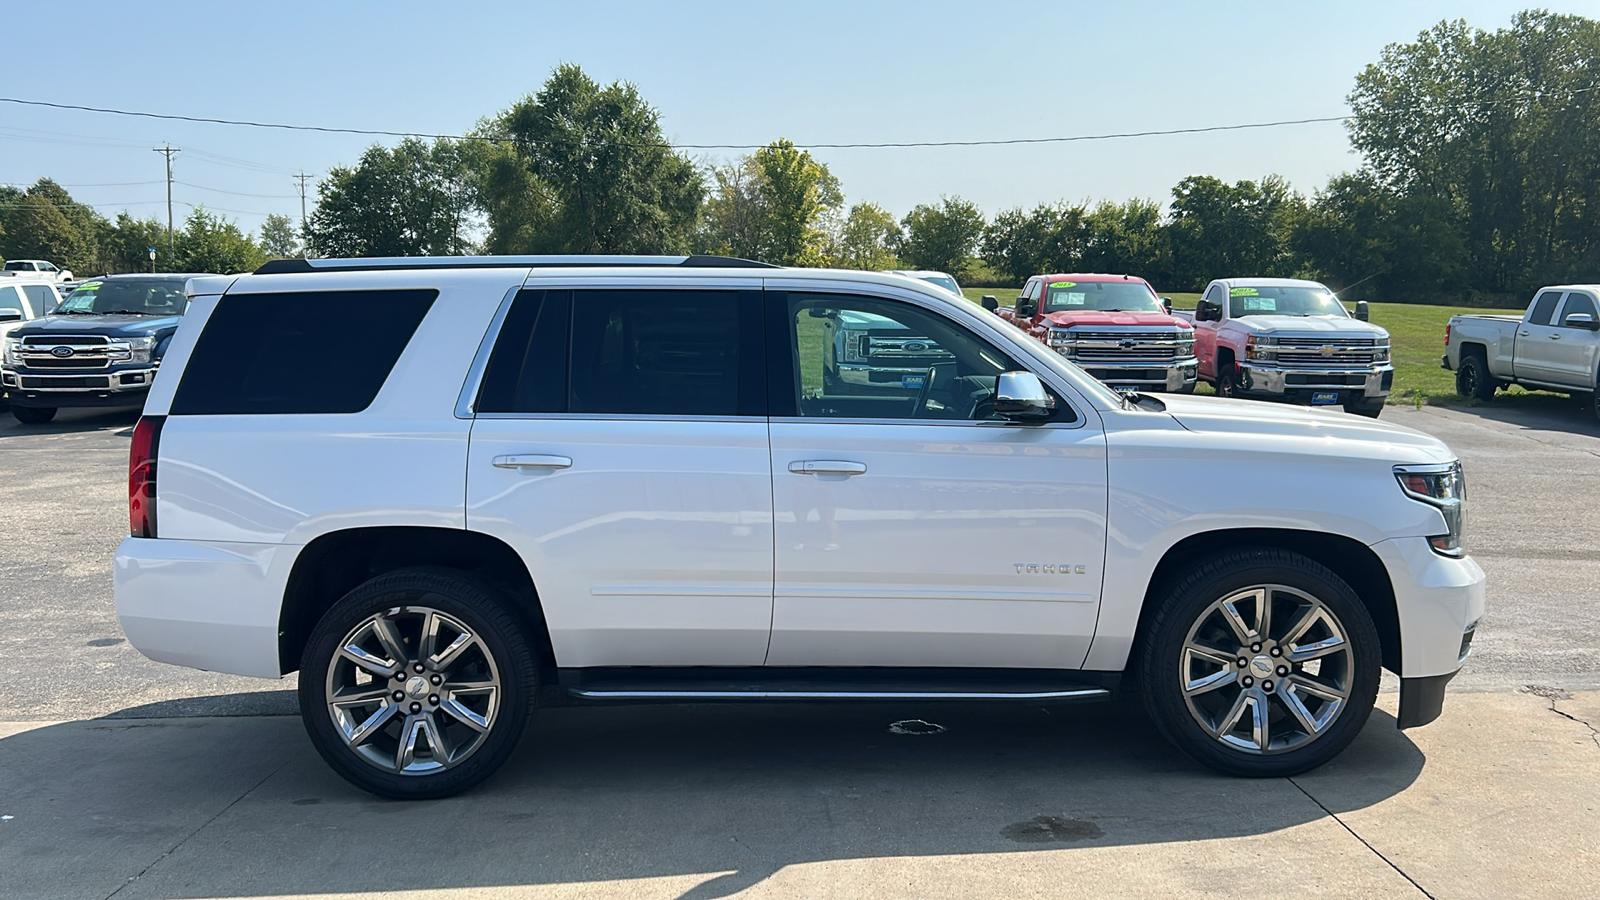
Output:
[[1375, 851], [1556, 695], [199, 828]]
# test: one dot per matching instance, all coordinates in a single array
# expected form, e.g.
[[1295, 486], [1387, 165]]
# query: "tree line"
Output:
[[1480, 180]]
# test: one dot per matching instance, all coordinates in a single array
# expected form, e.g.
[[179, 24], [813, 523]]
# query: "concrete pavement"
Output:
[[1500, 798]]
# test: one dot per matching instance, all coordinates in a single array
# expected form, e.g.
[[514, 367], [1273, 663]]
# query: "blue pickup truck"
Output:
[[101, 346]]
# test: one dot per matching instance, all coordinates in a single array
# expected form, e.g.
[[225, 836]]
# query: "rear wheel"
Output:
[[33, 415], [417, 684], [1473, 378], [1261, 663]]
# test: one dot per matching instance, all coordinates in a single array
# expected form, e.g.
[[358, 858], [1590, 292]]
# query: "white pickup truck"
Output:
[[1554, 346], [35, 267]]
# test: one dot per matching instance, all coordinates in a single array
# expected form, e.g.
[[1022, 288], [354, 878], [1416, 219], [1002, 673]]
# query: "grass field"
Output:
[[1417, 333]]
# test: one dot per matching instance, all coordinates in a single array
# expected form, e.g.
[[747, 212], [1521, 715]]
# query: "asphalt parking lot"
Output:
[[119, 776]]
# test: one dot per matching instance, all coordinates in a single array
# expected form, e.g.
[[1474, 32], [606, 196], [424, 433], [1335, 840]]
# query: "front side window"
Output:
[[869, 358], [43, 297], [1544, 308], [629, 352], [12, 300], [1578, 303], [1101, 296]]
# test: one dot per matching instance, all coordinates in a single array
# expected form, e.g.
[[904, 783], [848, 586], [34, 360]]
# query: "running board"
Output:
[[699, 685]]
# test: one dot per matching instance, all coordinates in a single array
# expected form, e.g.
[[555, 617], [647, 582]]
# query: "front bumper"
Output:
[[1177, 375], [1297, 385], [1439, 601], [101, 387], [208, 605]]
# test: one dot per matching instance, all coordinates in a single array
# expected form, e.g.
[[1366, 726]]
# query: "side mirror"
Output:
[[1363, 311], [1021, 396], [817, 312], [15, 315], [1202, 311], [1023, 308], [989, 302], [1575, 320], [1166, 304]]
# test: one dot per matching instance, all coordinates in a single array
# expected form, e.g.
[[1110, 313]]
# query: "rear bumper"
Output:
[[203, 604]]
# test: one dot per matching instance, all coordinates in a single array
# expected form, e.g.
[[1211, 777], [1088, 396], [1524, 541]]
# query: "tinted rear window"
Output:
[[308, 352], [1544, 308]]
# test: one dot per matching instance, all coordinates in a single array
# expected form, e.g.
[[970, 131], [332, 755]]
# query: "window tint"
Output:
[[632, 352], [1578, 303], [1544, 307], [44, 299], [309, 352], [10, 299], [870, 358], [1214, 295]]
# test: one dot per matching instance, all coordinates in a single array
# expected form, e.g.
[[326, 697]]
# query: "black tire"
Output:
[[33, 415], [1190, 604], [502, 653], [1227, 380], [1369, 408], [1473, 379]]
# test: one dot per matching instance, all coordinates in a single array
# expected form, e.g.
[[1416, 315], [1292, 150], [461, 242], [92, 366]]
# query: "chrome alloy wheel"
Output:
[[1266, 669], [413, 691]]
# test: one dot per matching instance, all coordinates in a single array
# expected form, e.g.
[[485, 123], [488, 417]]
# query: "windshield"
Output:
[[944, 281], [1105, 296], [147, 298], [1284, 301]]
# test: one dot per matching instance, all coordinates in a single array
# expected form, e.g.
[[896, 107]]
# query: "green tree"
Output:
[[213, 244], [737, 221], [1127, 238], [798, 191], [1051, 238], [519, 206], [35, 228], [1387, 245], [617, 185], [127, 246], [942, 236], [1220, 230], [278, 238], [414, 200], [865, 239], [1501, 132]]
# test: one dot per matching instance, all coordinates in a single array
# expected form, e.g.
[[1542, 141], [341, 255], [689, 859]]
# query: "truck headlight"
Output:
[[1443, 487], [12, 344], [1380, 350], [1259, 347], [140, 348], [1063, 341]]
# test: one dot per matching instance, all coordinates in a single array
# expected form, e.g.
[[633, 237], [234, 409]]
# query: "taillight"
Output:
[[142, 476], [1447, 334]]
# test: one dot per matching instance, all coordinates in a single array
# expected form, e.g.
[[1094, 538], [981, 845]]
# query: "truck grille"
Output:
[[1323, 353], [69, 351], [1132, 347], [902, 351]]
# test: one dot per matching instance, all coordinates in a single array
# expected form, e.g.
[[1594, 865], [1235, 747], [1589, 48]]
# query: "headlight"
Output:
[[11, 350], [1260, 347], [1063, 341], [1443, 487], [141, 347], [853, 344], [1380, 350]]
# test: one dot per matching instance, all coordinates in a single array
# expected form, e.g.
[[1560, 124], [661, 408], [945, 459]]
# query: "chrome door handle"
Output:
[[1555, 337], [1522, 334], [533, 461], [826, 467]]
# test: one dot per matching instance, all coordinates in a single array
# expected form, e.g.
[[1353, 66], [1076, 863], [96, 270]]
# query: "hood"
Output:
[[109, 326], [1218, 415], [1097, 317], [1317, 325]]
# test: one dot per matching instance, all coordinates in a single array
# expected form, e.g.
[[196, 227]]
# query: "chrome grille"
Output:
[[1322, 353], [70, 351], [1130, 347]]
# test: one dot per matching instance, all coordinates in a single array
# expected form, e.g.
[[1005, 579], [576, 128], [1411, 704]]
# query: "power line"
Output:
[[234, 193]]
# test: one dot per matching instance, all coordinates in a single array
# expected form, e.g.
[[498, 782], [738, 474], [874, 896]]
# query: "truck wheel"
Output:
[[417, 684], [33, 415], [1227, 381], [1260, 662], [1473, 378]]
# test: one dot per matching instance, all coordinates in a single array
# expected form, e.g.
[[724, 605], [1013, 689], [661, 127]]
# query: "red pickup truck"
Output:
[[1113, 326]]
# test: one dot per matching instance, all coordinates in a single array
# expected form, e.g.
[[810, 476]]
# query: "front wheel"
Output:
[[33, 415], [1227, 381], [417, 684], [1260, 663]]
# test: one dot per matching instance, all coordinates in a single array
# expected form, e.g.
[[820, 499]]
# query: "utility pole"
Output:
[[167, 151], [302, 178]]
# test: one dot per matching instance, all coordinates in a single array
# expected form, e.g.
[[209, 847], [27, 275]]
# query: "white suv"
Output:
[[443, 488]]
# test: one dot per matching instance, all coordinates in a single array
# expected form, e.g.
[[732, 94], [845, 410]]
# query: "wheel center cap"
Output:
[[1261, 666], [417, 687]]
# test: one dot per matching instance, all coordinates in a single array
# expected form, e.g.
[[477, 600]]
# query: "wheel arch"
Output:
[[1348, 558], [335, 563]]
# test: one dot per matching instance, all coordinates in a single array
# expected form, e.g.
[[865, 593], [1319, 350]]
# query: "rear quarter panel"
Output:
[[1496, 334]]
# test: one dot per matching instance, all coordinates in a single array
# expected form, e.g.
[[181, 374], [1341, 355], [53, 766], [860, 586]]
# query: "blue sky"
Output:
[[719, 73]]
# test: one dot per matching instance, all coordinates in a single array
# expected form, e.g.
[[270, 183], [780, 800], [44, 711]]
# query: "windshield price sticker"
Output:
[[1243, 292], [1063, 284]]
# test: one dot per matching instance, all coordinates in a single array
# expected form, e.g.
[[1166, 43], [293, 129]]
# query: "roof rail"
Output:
[[287, 266]]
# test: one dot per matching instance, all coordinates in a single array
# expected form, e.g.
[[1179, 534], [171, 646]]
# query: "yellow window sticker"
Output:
[[1063, 284], [1243, 292]]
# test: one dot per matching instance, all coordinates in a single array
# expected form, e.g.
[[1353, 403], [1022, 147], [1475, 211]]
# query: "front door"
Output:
[[1535, 348], [921, 529], [620, 447], [1572, 349]]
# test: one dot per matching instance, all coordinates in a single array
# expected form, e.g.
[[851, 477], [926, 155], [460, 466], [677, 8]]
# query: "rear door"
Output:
[[620, 446], [1533, 356], [925, 531]]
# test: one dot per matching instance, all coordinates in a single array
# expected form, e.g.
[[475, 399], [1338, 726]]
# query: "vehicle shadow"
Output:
[[708, 800], [69, 421], [1537, 412]]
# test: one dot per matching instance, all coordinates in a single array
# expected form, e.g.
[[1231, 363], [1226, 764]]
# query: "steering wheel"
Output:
[[924, 395]]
